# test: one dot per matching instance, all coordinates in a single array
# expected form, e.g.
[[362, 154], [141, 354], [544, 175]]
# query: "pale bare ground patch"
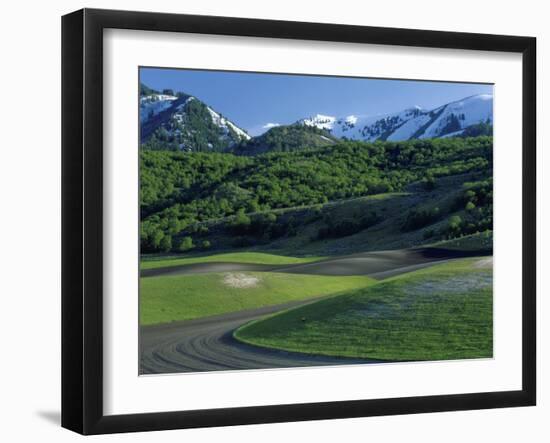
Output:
[[429, 289], [241, 281], [484, 263], [457, 284]]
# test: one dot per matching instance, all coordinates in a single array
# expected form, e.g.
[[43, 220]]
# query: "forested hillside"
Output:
[[286, 138], [180, 122], [200, 201]]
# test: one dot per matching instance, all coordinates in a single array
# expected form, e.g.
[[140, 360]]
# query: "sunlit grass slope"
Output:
[[438, 313], [169, 298], [234, 257]]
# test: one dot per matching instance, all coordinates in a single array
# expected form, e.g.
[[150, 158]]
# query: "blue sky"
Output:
[[253, 100]]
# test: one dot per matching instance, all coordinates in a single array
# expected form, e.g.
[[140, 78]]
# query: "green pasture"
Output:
[[184, 297], [233, 257], [437, 313]]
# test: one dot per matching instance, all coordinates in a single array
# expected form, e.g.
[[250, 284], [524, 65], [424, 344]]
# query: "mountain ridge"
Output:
[[182, 122], [413, 122]]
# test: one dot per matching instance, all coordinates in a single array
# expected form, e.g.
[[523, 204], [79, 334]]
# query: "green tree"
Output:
[[156, 239], [166, 243], [429, 182], [454, 226], [186, 244], [241, 222]]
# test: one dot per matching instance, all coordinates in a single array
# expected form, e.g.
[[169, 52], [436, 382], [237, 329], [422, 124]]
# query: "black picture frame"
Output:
[[82, 218]]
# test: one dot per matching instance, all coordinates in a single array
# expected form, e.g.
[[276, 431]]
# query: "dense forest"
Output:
[[182, 193]]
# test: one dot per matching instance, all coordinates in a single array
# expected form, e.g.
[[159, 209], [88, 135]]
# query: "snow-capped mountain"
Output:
[[183, 122], [456, 116], [447, 120]]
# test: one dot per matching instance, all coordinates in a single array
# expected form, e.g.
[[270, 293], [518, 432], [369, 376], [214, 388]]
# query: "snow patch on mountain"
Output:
[[151, 105], [409, 128], [181, 106], [452, 134], [461, 114], [407, 122], [225, 124], [366, 128], [348, 127], [413, 122], [320, 121]]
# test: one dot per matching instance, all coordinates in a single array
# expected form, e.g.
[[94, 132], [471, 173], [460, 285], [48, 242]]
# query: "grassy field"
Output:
[[437, 313], [169, 298], [234, 257]]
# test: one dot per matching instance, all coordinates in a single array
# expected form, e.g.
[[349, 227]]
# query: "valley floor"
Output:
[[259, 311]]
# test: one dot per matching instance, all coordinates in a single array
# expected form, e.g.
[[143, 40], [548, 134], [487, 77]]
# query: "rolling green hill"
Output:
[[235, 257], [438, 313], [170, 298]]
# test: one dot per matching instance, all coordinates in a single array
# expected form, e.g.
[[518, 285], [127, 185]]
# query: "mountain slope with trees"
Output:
[[286, 138], [180, 122], [200, 201], [177, 121]]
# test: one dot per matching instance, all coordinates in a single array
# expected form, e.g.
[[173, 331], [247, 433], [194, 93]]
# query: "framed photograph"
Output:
[[269, 221]]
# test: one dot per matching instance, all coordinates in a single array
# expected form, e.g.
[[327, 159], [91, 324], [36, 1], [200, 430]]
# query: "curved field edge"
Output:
[[185, 297], [230, 257], [438, 313]]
